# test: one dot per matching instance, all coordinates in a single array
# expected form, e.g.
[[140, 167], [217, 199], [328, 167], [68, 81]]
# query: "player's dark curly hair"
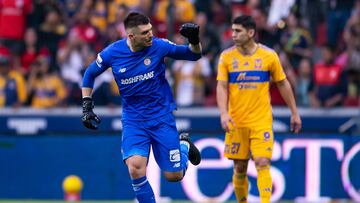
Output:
[[246, 21], [135, 19]]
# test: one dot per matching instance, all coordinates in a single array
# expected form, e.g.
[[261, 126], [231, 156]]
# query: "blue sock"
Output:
[[143, 190], [184, 150]]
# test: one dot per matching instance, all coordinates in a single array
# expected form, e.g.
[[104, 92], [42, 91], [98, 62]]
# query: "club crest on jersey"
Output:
[[147, 61], [235, 63], [258, 63]]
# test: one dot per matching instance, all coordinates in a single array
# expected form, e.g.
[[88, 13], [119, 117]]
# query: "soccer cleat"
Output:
[[194, 154]]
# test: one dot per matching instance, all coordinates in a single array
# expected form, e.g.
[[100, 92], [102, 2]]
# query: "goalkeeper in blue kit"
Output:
[[138, 67]]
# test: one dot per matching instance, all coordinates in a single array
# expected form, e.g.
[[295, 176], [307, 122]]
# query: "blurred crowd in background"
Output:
[[45, 46]]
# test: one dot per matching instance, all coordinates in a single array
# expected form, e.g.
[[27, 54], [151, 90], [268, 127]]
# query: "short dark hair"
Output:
[[246, 21], [135, 19]]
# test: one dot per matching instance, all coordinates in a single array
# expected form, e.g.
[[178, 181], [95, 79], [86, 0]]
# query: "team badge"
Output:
[[258, 63], [174, 155], [147, 61]]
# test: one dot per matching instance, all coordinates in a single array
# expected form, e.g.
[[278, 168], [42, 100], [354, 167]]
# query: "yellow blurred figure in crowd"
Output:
[[47, 87]]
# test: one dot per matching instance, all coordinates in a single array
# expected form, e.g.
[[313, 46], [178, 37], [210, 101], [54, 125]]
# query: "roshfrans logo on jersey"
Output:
[[147, 61], [137, 78]]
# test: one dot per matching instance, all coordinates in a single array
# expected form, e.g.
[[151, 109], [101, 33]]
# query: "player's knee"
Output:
[[137, 168], [262, 162], [240, 166], [136, 171], [174, 176]]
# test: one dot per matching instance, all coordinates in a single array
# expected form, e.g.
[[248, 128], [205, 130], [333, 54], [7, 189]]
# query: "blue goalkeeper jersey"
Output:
[[140, 76]]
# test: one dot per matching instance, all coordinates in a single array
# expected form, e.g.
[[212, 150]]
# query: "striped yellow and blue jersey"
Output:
[[248, 77], [48, 92], [12, 89]]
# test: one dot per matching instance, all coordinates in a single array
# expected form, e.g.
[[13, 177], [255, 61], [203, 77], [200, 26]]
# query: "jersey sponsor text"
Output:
[[137, 78]]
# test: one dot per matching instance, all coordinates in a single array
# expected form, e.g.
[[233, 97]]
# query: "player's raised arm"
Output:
[[191, 52], [191, 32]]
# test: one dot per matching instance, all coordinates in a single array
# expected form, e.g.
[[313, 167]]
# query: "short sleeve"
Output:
[[223, 70], [103, 59], [276, 70]]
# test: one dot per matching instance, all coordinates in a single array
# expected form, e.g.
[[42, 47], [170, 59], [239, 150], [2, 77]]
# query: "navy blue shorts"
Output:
[[159, 133]]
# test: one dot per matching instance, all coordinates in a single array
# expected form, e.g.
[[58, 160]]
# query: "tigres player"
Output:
[[244, 74]]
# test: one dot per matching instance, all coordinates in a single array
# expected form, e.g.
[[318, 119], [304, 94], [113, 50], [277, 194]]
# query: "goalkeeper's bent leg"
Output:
[[137, 169], [184, 151], [143, 190]]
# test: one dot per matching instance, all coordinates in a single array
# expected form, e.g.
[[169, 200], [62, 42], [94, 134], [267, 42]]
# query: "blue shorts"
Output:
[[159, 133]]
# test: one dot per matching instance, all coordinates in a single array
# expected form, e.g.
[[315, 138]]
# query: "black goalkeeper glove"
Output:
[[190, 31], [89, 118]]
